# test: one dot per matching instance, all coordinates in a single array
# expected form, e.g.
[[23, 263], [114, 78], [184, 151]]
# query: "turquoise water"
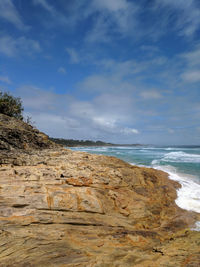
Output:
[[181, 163], [185, 160]]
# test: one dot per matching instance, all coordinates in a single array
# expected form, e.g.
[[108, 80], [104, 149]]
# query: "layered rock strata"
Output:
[[65, 208]]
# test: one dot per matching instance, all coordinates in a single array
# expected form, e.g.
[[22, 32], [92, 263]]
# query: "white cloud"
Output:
[[171, 131], [65, 116], [192, 76], [111, 125], [62, 125], [35, 99], [112, 5], [192, 58], [151, 94], [119, 117], [105, 122], [5, 79], [8, 46], [121, 18], [130, 131], [62, 70], [114, 16], [58, 17], [111, 17], [123, 75], [100, 83], [22, 45], [187, 15], [191, 70], [9, 13], [74, 57]]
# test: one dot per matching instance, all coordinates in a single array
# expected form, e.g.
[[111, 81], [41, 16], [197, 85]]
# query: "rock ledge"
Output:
[[65, 208]]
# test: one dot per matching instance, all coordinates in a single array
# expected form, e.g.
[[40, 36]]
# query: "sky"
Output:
[[121, 71]]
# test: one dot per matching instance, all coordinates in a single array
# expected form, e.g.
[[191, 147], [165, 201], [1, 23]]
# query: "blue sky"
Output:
[[122, 71]]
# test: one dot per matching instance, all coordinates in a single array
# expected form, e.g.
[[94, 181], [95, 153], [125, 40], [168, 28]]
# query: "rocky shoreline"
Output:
[[64, 208]]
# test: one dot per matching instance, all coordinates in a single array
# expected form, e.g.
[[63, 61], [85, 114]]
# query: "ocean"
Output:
[[181, 163]]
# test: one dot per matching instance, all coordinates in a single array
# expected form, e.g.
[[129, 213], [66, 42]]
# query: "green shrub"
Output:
[[11, 106]]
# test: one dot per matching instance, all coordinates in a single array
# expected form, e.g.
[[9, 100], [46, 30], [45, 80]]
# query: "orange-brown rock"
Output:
[[65, 208]]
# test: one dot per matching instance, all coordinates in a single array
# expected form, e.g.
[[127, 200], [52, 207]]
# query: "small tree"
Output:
[[11, 106], [29, 121]]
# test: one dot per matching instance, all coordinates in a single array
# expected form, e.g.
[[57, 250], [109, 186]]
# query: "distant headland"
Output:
[[73, 142]]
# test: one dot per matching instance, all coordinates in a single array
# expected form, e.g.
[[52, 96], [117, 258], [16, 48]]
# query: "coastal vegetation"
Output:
[[11, 106], [72, 142]]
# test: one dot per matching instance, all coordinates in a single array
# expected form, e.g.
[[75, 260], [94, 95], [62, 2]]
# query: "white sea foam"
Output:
[[126, 147], [139, 165], [155, 162], [197, 226], [95, 149], [172, 148], [152, 148], [188, 196], [181, 156]]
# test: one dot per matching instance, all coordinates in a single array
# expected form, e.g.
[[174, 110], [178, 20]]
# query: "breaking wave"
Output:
[[181, 156]]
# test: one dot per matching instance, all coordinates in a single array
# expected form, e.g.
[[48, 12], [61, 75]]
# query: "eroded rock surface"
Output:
[[16, 134], [65, 208]]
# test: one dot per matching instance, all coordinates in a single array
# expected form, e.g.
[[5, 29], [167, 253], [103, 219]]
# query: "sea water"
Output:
[[181, 163]]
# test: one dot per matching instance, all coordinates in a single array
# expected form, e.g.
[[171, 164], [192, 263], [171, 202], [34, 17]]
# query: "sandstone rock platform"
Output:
[[65, 208]]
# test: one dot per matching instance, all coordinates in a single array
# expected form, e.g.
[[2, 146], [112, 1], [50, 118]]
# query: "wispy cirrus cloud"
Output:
[[12, 47], [74, 56], [45, 5], [191, 61], [151, 94], [183, 14], [59, 17], [192, 57], [127, 75], [108, 17], [112, 17], [9, 13]]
